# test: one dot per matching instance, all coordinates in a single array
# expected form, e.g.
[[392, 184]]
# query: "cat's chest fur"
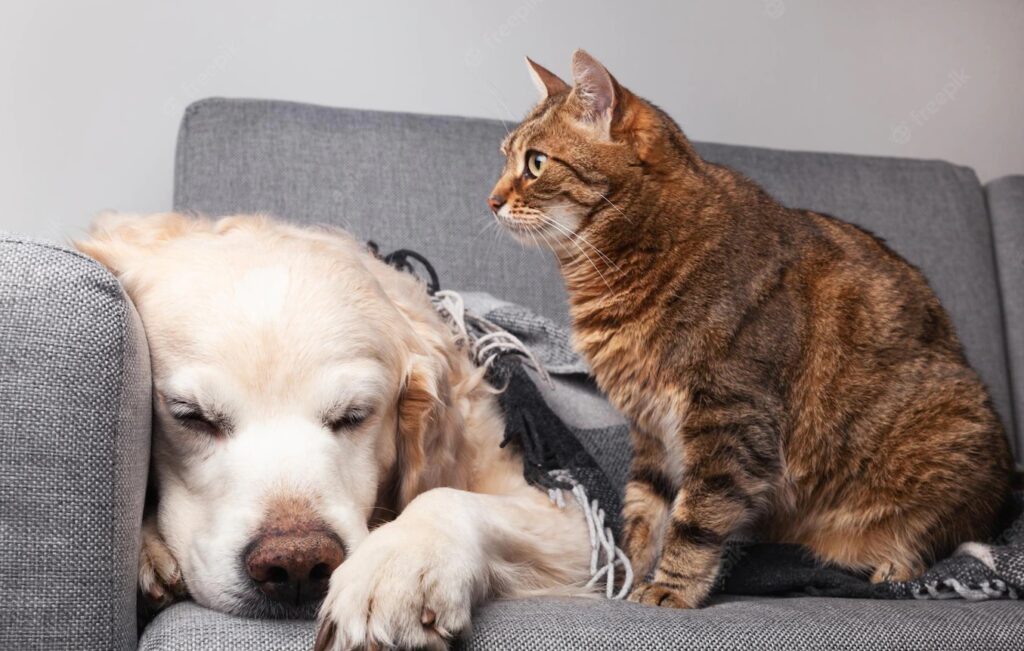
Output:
[[625, 362], [622, 363]]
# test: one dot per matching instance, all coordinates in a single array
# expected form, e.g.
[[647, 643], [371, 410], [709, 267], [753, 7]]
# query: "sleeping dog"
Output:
[[320, 441]]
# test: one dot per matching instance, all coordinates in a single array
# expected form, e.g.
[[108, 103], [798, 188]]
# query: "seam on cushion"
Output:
[[1015, 425], [274, 103], [115, 461], [179, 159], [1002, 179], [179, 149], [53, 246], [280, 103]]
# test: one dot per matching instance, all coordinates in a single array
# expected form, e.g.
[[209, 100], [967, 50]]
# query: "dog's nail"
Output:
[[324, 637], [428, 617]]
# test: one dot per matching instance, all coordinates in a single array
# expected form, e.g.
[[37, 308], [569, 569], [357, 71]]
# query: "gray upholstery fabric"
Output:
[[728, 623], [187, 626], [420, 181], [74, 450], [749, 624], [1006, 205]]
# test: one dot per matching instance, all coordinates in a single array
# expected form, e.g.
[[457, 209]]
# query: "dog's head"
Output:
[[300, 387]]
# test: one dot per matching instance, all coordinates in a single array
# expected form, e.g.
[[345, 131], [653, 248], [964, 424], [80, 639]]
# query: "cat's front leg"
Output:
[[731, 468], [649, 495]]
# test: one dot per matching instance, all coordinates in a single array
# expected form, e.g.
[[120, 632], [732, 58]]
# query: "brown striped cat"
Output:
[[782, 370]]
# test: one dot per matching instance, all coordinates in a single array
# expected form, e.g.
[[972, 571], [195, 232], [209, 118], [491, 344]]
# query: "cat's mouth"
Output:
[[523, 226], [529, 227]]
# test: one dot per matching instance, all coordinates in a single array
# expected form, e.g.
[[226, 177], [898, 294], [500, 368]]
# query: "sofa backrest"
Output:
[[421, 181]]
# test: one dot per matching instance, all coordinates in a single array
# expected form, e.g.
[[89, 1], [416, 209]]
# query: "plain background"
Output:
[[91, 92]]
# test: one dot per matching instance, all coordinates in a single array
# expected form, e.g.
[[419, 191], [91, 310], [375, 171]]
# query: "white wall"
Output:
[[91, 92]]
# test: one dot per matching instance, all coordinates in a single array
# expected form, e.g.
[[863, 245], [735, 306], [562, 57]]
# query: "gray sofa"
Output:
[[75, 395]]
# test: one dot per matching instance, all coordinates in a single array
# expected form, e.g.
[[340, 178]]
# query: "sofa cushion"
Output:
[[420, 181], [74, 450], [740, 623]]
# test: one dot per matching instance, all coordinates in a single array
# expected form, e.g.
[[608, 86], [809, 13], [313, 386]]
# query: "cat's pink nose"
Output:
[[495, 201]]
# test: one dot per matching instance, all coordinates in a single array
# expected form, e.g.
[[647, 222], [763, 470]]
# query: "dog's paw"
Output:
[[660, 594], [404, 588], [160, 578]]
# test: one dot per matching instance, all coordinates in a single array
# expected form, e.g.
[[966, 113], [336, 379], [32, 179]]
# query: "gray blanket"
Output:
[[598, 456]]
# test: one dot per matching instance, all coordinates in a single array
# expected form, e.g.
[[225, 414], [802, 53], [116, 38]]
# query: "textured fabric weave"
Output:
[[188, 627], [748, 624], [729, 623], [421, 181], [74, 450], [1006, 205]]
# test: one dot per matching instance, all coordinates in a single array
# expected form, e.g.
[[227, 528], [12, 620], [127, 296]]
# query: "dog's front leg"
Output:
[[412, 583], [160, 579]]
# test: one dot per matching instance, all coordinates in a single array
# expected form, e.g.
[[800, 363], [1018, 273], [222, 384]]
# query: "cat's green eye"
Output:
[[535, 162]]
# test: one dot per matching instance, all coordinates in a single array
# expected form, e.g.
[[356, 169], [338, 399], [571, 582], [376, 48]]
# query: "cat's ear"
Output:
[[596, 91], [547, 82]]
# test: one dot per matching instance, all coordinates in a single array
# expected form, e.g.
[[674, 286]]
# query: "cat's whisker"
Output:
[[532, 230], [551, 247], [547, 243], [593, 264], [573, 237], [596, 250], [549, 221], [489, 224], [568, 233], [617, 209], [494, 240], [496, 94], [583, 238]]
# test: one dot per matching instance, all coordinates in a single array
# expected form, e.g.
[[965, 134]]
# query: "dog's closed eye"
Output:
[[348, 418], [192, 416]]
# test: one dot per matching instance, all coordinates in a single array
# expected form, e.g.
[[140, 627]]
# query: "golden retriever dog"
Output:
[[321, 443]]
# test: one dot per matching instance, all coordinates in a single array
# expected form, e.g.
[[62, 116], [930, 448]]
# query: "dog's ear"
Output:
[[428, 428], [120, 241]]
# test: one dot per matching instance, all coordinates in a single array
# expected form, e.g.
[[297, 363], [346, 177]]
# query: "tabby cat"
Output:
[[781, 370]]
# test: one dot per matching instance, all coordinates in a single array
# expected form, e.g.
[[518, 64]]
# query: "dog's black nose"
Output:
[[294, 567]]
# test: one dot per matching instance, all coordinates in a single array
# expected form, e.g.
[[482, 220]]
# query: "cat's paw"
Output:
[[160, 578], [660, 594], [401, 588], [897, 571]]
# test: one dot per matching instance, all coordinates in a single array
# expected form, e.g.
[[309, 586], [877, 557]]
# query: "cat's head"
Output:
[[580, 156]]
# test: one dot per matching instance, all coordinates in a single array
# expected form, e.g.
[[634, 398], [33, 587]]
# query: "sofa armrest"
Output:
[[75, 416], [1006, 207]]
